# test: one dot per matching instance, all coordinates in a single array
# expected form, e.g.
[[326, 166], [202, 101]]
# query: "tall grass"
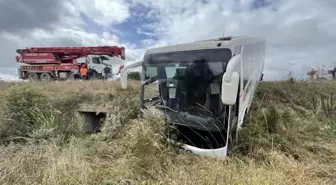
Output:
[[289, 137]]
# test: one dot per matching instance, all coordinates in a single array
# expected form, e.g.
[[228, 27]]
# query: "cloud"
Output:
[[104, 12], [55, 24], [24, 15], [300, 34]]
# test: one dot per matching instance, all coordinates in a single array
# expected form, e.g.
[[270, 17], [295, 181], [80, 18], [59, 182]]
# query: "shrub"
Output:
[[26, 110], [134, 76]]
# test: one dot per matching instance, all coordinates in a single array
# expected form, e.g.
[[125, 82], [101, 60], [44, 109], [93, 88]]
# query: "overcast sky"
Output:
[[300, 34]]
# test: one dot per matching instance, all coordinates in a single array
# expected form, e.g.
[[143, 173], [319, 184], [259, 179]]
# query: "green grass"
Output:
[[289, 137]]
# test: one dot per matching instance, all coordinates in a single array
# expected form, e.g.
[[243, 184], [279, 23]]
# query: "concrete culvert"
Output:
[[93, 117], [93, 121]]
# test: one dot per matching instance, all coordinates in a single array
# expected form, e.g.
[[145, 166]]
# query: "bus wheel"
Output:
[[45, 77], [33, 77]]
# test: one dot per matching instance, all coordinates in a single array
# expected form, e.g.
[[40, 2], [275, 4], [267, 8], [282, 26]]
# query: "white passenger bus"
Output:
[[204, 88]]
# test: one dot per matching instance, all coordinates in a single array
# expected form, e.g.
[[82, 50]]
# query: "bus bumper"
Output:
[[220, 153]]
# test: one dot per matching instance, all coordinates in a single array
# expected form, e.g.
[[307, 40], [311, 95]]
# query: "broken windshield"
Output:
[[166, 65], [194, 72]]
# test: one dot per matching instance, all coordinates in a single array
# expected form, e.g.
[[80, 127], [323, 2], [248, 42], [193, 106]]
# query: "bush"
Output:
[[134, 76], [26, 111]]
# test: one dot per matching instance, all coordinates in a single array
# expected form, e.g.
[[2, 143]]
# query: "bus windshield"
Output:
[[165, 65], [193, 73]]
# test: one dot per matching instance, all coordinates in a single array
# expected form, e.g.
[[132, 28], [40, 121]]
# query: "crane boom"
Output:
[[52, 63], [39, 55]]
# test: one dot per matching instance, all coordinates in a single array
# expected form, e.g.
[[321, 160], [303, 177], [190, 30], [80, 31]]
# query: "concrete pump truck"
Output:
[[63, 63], [203, 88]]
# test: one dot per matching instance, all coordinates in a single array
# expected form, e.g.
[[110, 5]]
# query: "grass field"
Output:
[[4, 86], [289, 137]]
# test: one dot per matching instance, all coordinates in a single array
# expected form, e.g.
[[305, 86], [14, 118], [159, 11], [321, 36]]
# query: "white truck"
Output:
[[204, 88], [99, 66]]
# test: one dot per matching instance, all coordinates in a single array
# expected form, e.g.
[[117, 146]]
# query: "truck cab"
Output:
[[99, 67]]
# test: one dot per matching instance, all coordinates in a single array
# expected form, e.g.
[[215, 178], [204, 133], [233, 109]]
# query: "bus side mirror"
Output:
[[124, 73], [230, 84], [123, 78]]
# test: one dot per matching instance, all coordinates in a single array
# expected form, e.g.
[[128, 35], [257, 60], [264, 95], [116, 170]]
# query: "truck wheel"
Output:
[[33, 77], [94, 76], [73, 76], [45, 77]]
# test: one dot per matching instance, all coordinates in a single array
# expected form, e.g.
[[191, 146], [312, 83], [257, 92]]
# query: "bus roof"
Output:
[[219, 43]]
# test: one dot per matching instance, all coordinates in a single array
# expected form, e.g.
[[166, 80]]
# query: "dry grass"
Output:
[[289, 138], [4, 86]]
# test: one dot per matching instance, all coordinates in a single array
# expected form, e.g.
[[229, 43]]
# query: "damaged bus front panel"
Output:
[[200, 88], [188, 92]]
